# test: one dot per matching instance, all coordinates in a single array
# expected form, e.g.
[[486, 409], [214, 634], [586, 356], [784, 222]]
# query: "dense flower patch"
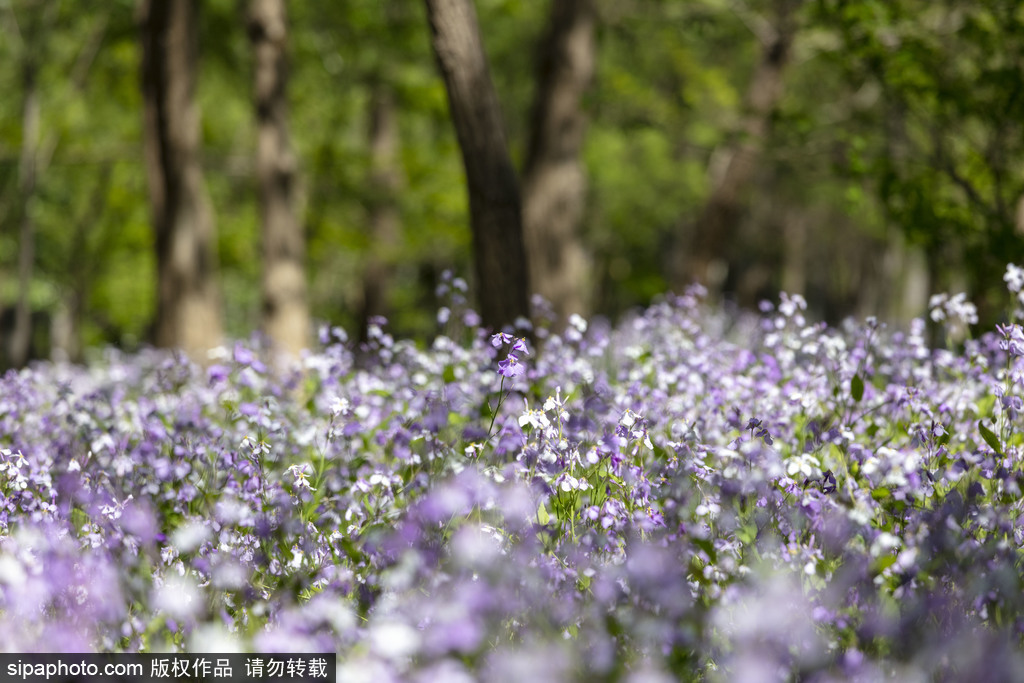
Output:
[[688, 495]]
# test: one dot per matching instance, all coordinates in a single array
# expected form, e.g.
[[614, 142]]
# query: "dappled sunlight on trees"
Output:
[[862, 153]]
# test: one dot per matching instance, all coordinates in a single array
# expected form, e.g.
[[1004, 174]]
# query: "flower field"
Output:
[[689, 495]]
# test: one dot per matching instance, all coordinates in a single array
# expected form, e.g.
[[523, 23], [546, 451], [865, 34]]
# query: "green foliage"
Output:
[[942, 88], [901, 122]]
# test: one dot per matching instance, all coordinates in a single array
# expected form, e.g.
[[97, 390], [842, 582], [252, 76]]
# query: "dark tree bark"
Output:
[[494, 200], [188, 312], [554, 180], [286, 318], [385, 182], [706, 256]]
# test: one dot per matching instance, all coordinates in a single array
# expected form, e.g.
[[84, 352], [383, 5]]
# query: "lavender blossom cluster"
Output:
[[689, 495]]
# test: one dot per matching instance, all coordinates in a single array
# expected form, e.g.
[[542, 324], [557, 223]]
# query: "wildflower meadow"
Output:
[[692, 494]]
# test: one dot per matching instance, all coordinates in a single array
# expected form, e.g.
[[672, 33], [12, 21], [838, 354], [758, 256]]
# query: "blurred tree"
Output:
[[286, 318], [188, 304], [554, 179], [897, 141], [939, 129], [352, 59], [385, 182], [704, 256], [494, 201], [668, 84], [38, 31], [32, 27]]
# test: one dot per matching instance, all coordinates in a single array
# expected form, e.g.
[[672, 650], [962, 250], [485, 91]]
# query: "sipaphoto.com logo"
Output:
[[250, 667], [60, 670]]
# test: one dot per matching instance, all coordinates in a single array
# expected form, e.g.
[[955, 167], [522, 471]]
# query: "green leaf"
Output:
[[882, 563], [990, 438], [747, 534], [79, 518], [542, 514], [708, 546], [881, 493], [857, 388], [986, 404]]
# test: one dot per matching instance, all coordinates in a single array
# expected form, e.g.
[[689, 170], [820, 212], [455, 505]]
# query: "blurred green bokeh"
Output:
[[896, 152]]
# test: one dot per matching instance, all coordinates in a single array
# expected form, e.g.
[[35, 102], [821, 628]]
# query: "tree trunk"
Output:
[[706, 260], [494, 201], [1018, 217], [81, 268], [554, 180], [188, 304], [21, 335], [906, 281], [795, 232], [37, 152], [385, 182], [285, 306]]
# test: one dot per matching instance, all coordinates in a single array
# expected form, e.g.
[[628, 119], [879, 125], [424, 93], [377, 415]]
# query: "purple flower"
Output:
[[511, 366], [243, 356], [217, 373]]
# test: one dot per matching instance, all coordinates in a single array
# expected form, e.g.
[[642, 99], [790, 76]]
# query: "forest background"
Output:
[[863, 153]]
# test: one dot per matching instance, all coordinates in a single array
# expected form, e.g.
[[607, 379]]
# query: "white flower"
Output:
[[805, 464], [959, 307], [178, 596], [393, 640], [256, 446], [297, 557], [937, 306], [338, 406], [557, 404], [956, 308], [187, 538], [1014, 277], [301, 472], [708, 508], [534, 418], [578, 322], [571, 483], [884, 543], [791, 303], [114, 511]]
